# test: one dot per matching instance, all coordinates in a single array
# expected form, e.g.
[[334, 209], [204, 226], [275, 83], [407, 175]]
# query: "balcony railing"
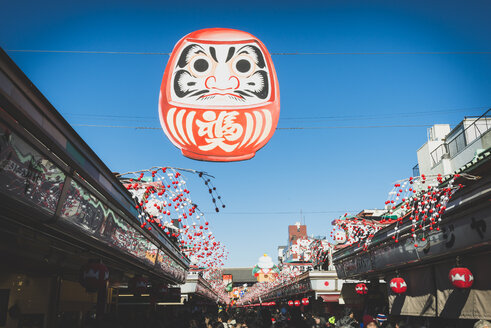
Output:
[[416, 170], [437, 154], [461, 140]]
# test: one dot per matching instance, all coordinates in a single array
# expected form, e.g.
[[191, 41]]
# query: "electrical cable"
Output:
[[316, 118], [273, 53], [286, 128], [282, 212]]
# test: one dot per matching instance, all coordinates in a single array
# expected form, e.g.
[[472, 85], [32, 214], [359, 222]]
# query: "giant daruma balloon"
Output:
[[219, 98]]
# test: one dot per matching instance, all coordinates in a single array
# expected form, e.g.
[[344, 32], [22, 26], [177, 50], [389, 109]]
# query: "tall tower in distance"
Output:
[[296, 232]]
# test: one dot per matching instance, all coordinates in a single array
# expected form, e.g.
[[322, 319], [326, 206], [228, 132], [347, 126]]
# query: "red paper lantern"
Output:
[[398, 285], [219, 98], [461, 277], [290, 303], [297, 303], [94, 276], [138, 285], [361, 289], [305, 301]]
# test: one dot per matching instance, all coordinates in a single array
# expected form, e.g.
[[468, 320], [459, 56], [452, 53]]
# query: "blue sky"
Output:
[[331, 171]]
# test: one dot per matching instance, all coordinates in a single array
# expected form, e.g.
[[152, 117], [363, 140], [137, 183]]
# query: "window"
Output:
[[27, 175], [83, 209]]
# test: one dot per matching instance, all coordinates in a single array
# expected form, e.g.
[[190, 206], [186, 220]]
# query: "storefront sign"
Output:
[[219, 98]]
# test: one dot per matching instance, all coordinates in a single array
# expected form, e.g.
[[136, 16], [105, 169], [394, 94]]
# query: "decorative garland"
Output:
[[422, 200], [163, 201]]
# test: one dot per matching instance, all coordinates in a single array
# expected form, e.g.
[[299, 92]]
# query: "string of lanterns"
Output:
[[311, 250], [287, 275], [163, 201], [459, 277], [422, 200], [350, 230]]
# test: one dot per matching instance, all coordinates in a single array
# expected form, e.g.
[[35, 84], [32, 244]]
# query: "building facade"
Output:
[[460, 243], [61, 208], [447, 149]]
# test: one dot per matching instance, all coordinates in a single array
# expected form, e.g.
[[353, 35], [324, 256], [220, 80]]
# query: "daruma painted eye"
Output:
[[200, 65], [243, 66], [219, 98]]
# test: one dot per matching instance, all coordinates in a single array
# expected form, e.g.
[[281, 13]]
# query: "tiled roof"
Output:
[[240, 275]]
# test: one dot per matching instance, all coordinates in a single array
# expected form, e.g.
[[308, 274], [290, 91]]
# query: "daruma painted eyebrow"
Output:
[[254, 52], [230, 54], [184, 58]]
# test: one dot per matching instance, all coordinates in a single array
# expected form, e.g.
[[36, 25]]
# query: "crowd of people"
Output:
[[269, 317], [284, 318]]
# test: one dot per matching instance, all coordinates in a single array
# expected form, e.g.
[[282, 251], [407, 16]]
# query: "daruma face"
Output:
[[219, 98], [214, 75]]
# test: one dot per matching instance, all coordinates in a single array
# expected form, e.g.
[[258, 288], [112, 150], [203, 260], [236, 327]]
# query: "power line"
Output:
[[273, 53], [287, 128], [335, 117], [118, 126], [283, 212], [91, 52], [396, 114], [377, 116], [356, 127]]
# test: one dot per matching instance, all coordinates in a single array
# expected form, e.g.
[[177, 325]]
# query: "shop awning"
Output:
[[330, 298]]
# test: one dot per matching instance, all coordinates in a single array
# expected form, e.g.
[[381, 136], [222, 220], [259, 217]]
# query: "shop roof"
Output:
[[476, 166], [240, 275]]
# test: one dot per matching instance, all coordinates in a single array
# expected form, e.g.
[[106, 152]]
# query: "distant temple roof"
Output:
[[240, 275]]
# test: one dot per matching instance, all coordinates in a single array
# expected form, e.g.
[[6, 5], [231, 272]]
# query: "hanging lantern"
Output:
[[219, 98], [138, 285], [297, 303], [290, 303], [361, 289], [398, 285], [305, 301], [94, 275], [461, 277]]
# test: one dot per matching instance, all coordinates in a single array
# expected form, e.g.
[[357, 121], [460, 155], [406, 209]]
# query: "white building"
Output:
[[447, 150]]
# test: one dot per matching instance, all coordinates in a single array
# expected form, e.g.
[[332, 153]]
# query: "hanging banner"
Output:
[[219, 98]]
